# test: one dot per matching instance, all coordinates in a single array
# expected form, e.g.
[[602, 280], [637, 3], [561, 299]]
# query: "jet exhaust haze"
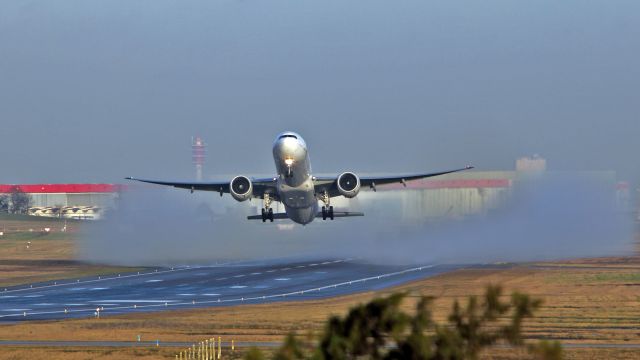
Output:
[[549, 218]]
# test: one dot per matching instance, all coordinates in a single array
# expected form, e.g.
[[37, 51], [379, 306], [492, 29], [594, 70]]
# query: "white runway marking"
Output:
[[186, 294], [256, 273], [238, 276], [14, 310], [220, 279], [131, 301], [238, 287], [283, 279], [99, 288], [154, 281], [211, 294]]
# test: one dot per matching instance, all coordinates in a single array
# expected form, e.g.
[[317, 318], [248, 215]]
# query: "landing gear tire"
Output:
[[264, 215], [327, 213], [270, 214]]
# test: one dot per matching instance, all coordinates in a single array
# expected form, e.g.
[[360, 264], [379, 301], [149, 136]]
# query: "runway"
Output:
[[202, 286]]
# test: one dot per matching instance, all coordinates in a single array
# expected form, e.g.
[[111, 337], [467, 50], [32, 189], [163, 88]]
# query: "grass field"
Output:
[[587, 301], [29, 254]]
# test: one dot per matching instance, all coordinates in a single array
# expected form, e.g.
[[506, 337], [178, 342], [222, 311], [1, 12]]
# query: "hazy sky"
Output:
[[92, 91]]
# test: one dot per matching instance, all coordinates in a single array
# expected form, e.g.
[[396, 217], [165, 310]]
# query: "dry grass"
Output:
[[83, 353]]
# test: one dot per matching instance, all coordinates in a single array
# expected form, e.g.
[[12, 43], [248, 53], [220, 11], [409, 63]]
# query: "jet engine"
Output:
[[348, 184], [241, 188]]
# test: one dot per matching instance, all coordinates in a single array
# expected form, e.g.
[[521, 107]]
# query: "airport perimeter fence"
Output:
[[204, 350]]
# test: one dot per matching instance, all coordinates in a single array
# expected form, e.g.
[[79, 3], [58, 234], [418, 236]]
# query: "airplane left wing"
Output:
[[260, 186]]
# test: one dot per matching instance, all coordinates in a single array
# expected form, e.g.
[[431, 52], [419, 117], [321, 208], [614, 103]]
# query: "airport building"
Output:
[[77, 201]]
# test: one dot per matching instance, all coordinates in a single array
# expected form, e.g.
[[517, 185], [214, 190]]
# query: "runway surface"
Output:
[[201, 286]]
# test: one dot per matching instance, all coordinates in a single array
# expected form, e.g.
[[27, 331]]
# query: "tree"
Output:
[[4, 203], [381, 330], [20, 202]]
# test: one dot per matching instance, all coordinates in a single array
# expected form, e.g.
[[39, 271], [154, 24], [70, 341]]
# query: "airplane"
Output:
[[295, 186]]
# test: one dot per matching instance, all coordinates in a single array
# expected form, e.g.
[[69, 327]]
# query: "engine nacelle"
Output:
[[348, 184], [241, 188]]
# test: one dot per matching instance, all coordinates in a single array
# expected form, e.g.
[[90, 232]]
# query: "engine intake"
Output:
[[241, 188], [348, 184]]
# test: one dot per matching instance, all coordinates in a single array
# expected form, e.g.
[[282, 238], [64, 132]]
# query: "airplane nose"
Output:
[[288, 148]]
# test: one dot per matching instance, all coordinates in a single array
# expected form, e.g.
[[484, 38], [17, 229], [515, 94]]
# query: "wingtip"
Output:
[[469, 167]]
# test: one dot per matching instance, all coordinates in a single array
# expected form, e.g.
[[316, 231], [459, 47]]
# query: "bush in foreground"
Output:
[[381, 330]]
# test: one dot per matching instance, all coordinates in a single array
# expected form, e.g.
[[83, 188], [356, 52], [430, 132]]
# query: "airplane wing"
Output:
[[329, 183], [260, 186]]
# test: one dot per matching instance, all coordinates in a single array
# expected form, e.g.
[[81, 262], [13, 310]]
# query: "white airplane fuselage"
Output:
[[294, 181]]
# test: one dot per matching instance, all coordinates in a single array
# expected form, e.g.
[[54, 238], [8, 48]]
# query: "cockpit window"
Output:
[[288, 136]]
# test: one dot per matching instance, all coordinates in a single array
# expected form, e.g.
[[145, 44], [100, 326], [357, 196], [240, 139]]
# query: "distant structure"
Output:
[[198, 155], [534, 164]]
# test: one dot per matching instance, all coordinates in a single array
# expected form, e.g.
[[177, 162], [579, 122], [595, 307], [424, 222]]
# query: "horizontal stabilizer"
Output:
[[276, 216], [336, 214]]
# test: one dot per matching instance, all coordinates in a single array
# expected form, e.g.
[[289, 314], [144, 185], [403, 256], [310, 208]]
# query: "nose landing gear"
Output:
[[267, 211]]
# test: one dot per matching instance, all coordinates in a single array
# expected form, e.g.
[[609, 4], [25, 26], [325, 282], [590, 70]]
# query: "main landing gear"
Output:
[[267, 211], [327, 210], [327, 213]]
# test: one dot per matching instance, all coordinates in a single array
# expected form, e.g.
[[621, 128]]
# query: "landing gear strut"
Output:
[[327, 210], [267, 211]]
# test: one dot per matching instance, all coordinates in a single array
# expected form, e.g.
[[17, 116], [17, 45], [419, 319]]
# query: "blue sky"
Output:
[[92, 91]]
